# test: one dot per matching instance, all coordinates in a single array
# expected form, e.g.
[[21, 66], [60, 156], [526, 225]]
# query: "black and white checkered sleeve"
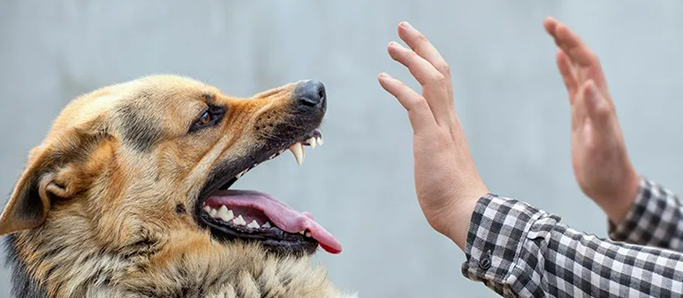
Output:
[[520, 251], [655, 219]]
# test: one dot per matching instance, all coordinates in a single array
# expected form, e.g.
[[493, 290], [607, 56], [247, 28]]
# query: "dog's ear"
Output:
[[52, 174], [30, 201]]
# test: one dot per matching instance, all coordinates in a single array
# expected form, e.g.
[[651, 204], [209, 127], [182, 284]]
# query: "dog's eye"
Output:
[[207, 118]]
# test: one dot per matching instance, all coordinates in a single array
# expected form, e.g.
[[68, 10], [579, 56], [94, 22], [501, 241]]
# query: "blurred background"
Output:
[[508, 93]]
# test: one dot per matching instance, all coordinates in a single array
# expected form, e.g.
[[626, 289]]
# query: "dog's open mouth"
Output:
[[256, 216]]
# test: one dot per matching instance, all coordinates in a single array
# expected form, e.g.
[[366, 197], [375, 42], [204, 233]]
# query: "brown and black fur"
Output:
[[107, 204]]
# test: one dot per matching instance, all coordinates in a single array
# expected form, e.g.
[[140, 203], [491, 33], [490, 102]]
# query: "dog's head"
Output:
[[156, 156]]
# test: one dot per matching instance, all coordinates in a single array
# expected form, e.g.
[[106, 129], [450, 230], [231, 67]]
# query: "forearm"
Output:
[[520, 251]]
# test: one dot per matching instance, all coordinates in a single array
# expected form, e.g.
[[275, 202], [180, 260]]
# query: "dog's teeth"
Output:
[[240, 174], [298, 151], [302, 233], [253, 224], [225, 214], [239, 221], [312, 142], [266, 225], [273, 156], [308, 234], [320, 140], [207, 209], [213, 213]]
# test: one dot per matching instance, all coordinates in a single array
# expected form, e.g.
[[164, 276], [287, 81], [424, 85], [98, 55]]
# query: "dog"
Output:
[[129, 196]]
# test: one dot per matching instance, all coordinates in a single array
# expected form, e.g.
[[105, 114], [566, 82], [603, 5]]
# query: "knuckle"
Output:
[[444, 68], [420, 38], [413, 55], [440, 78], [603, 111], [420, 103]]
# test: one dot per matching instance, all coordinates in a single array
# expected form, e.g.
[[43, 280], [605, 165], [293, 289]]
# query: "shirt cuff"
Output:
[[652, 219], [497, 232]]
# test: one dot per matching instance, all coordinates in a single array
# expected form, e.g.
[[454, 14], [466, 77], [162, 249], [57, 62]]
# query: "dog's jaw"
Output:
[[204, 271]]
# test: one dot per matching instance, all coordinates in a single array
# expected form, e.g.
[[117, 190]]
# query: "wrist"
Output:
[[456, 224], [618, 207]]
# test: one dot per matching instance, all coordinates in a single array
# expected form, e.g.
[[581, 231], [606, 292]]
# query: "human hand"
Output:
[[601, 163], [446, 179]]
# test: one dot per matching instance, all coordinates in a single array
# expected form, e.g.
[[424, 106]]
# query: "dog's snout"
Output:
[[311, 94]]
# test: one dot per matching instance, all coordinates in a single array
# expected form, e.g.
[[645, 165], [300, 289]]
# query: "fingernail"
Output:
[[393, 44], [406, 25], [383, 75]]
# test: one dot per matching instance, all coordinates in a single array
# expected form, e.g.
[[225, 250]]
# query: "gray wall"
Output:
[[359, 185]]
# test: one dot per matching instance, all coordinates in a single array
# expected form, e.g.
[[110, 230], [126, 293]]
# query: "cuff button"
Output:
[[485, 261]]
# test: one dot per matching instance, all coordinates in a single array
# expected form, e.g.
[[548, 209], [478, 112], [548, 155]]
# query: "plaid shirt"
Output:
[[520, 251]]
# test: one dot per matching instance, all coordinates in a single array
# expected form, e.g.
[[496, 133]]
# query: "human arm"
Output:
[[513, 248]]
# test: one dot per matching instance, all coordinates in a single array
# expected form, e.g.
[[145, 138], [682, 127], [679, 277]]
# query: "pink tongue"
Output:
[[283, 216]]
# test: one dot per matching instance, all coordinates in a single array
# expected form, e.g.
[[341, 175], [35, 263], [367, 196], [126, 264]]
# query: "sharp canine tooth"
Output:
[[298, 151], [240, 174], [308, 234], [253, 224], [239, 220], [320, 141], [207, 209], [213, 212], [225, 214], [312, 142], [266, 225], [302, 233]]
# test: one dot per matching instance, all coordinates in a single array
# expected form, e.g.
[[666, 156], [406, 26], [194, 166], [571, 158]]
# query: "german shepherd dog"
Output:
[[129, 196]]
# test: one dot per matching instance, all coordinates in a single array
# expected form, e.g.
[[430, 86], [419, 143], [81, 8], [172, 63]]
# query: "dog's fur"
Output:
[[106, 205]]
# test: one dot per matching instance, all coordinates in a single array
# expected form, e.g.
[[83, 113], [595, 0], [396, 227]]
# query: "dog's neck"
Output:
[[53, 267]]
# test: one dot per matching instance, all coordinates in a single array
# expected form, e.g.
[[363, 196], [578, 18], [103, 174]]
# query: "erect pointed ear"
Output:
[[42, 182]]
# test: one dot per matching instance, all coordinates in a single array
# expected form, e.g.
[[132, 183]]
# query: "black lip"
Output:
[[273, 239]]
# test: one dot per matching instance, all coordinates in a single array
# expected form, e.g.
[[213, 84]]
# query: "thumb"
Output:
[[597, 107]]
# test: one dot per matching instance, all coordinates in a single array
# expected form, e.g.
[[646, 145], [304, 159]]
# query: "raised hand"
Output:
[[447, 183], [601, 164]]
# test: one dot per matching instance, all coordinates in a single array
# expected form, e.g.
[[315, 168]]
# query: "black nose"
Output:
[[310, 93]]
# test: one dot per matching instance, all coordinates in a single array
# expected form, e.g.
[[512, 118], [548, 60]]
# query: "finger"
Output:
[[421, 69], [568, 74], [550, 24], [598, 108], [421, 45], [581, 55], [578, 112], [418, 110], [576, 49], [434, 84]]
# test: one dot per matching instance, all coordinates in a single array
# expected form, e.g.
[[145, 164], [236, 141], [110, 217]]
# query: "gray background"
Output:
[[359, 185]]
